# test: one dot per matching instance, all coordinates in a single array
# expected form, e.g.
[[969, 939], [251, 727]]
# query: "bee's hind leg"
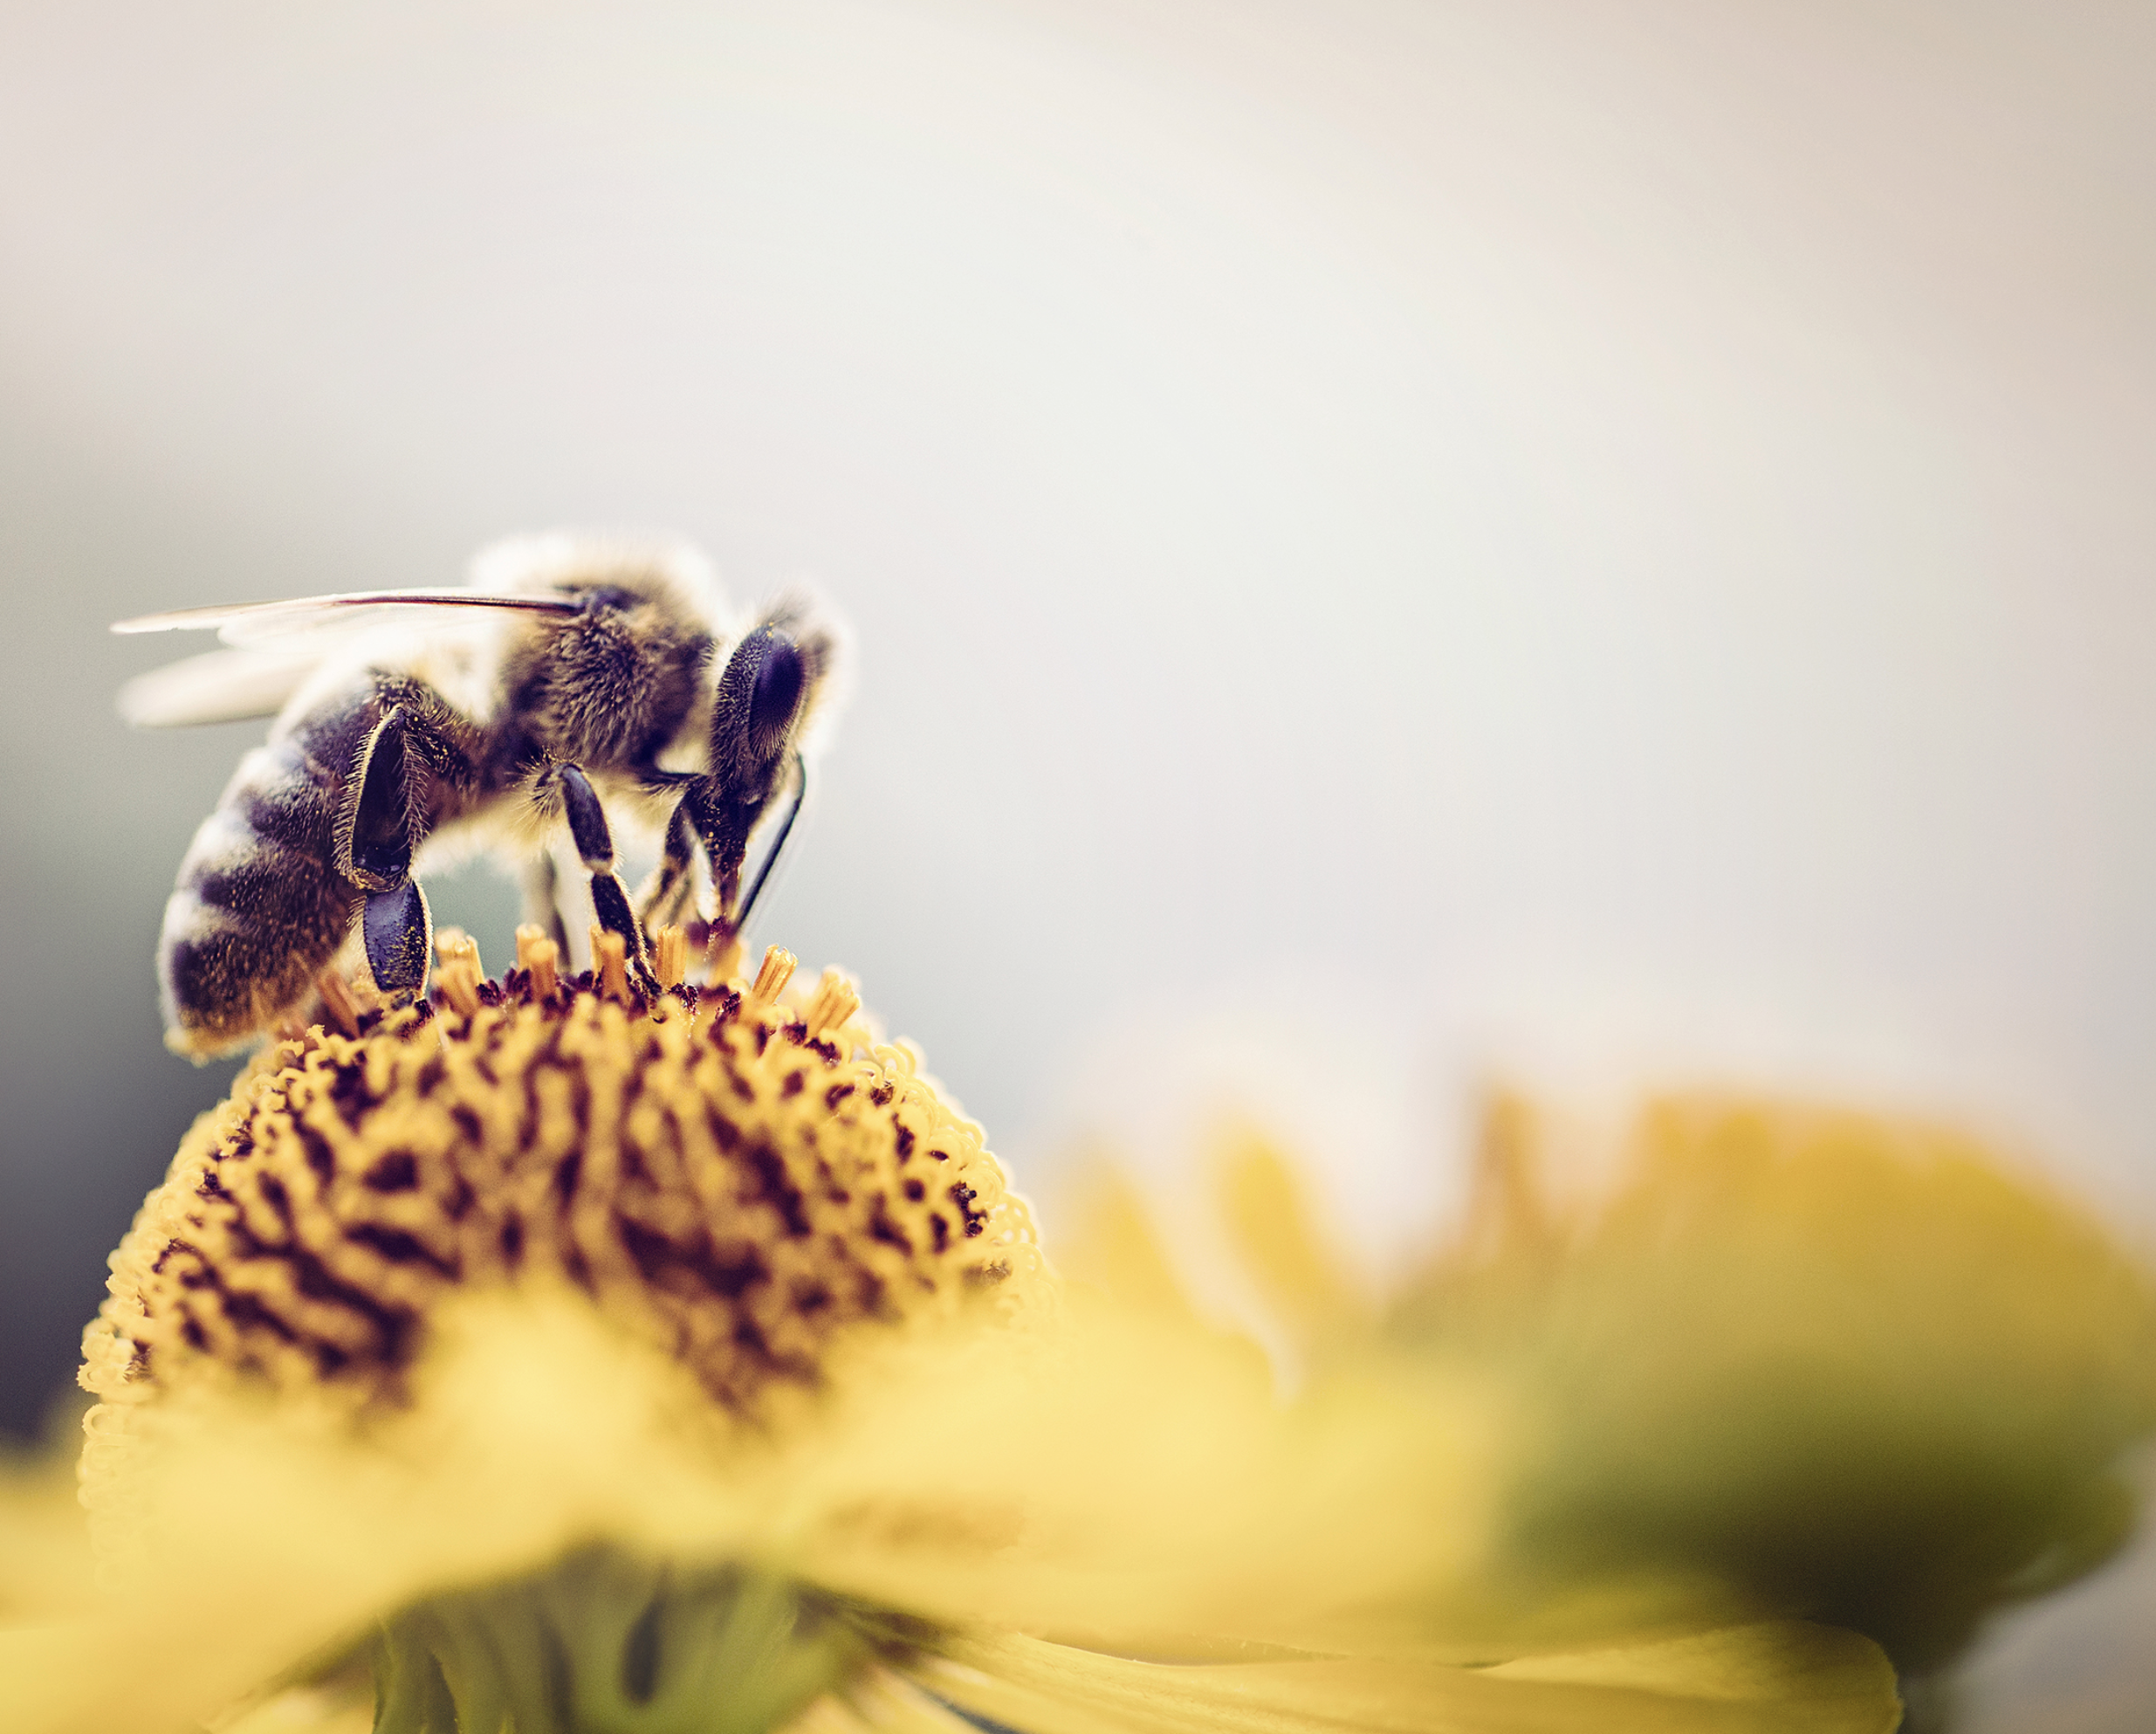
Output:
[[397, 928], [594, 845], [375, 842]]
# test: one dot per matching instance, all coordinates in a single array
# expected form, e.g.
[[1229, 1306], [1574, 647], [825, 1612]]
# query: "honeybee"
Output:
[[571, 677]]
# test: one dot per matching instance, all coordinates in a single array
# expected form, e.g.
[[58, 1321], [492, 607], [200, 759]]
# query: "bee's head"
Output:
[[764, 696]]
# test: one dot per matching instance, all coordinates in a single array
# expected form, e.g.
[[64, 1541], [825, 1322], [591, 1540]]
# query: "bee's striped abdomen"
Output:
[[260, 908]]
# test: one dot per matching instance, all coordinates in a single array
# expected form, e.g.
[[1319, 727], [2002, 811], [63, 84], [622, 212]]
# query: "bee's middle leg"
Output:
[[663, 897], [542, 899], [595, 846]]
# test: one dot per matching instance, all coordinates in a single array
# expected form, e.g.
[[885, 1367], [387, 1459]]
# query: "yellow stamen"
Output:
[[834, 1002], [460, 985], [459, 974], [669, 956], [610, 961], [339, 1008], [771, 977], [538, 957]]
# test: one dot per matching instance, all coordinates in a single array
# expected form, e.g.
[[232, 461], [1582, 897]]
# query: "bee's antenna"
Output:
[[778, 843]]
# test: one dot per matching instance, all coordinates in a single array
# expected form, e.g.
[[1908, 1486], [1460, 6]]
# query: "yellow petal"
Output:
[[1110, 1242], [305, 1709], [882, 1703], [1149, 1478], [1101, 1475], [1747, 1680], [1272, 1228], [45, 1564]]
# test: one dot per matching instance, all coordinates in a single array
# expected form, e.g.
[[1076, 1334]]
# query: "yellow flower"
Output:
[[1819, 1364], [540, 1360]]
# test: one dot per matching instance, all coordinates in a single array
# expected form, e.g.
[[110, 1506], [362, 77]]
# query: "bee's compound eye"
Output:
[[777, 694], [608, 598]]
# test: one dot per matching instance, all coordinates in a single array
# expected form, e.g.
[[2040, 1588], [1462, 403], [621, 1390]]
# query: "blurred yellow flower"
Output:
[[1820, 1364], [540, 1360]]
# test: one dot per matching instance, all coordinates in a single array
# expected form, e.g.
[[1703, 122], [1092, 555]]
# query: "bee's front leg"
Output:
[[595, 846]]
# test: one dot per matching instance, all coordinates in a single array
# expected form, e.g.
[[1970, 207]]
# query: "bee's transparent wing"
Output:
[[284, 623], [277, 646], [220, 686]]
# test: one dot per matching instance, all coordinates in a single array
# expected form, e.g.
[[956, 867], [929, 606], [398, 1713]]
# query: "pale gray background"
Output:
[[1607, 543]]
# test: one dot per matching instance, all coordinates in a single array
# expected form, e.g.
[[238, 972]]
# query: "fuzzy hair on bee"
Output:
[[574, 685]]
